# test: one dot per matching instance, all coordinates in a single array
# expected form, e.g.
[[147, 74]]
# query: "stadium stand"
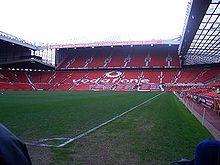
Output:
[[136, 58], [97, 60], [134, 79], [157, 60], [123, 66], [173, 61], [116, 59]]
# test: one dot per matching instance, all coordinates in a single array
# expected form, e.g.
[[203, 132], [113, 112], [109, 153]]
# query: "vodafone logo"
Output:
[[113, 74], [112, 78]]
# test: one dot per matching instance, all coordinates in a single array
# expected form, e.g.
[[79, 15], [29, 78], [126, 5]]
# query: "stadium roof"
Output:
[[27, 64], [16, 40], [200, 43], [117, 43]]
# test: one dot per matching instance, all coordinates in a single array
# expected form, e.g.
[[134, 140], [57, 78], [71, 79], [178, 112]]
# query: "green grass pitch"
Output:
[[155, 133]]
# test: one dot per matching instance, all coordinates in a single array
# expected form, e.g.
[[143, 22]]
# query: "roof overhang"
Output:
[[200, 43], [112, 44], [27, 64], [15, 40]]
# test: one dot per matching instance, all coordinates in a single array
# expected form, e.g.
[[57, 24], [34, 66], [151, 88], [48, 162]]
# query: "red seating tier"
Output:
[[158, 60], [104, 79], [117, 60], [137, 59], [98, 61]]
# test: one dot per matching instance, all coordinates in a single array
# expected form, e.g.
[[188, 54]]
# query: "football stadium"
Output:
[[115, 102]]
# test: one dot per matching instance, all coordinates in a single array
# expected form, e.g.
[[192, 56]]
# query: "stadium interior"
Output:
[[187, 66], [190, 64]]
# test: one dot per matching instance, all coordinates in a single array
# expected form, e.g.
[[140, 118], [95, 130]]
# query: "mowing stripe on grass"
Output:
[[70, 140]]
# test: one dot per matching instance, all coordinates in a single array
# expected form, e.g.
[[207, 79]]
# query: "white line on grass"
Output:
[[69, 140]]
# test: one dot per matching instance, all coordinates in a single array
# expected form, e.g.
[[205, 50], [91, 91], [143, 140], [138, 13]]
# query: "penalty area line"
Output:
[[70, 140]]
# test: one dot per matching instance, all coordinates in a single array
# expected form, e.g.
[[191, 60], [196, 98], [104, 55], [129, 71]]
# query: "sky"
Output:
[[51, 21]]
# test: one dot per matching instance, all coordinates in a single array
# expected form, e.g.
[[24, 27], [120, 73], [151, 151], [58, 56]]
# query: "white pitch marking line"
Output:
[[49, 139], [39, 142], [91, 130]]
